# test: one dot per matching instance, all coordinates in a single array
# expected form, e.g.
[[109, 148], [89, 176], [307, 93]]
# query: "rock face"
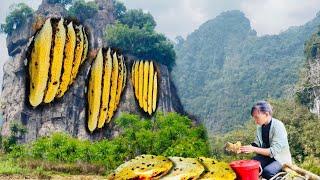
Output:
[[67, 114]]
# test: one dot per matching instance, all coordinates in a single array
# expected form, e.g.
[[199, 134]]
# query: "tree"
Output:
[[134, 34], [142, 43], [119, 9], [83, 10], [18, 16], [64, 2], [137, 18]]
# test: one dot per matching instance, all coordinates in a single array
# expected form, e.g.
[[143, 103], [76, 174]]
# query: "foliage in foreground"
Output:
[[169, 135]]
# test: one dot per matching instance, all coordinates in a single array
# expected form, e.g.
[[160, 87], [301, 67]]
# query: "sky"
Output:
[[181, 17]]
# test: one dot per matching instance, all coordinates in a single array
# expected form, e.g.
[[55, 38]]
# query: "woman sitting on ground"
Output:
[[271, 142]]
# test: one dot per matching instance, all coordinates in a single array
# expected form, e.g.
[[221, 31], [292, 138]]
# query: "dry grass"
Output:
[[67, 177], [73, 169]]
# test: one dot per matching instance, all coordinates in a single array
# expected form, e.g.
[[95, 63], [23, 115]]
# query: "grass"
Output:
[[63, 168], [8, 166], [29, 168]]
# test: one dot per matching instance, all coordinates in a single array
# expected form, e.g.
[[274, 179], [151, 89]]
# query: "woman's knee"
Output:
[[272, 169]]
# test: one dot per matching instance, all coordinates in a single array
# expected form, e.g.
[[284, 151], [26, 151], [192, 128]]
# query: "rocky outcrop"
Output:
[[47, 9], [99, 22], [67, 114]]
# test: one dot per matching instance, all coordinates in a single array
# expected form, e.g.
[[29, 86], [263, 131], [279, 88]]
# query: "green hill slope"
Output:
[[223, 67]]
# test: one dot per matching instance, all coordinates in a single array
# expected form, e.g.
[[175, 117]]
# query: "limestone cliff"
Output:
[[67, 114]]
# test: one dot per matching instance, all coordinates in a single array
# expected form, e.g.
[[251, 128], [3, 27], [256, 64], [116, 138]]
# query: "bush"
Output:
[[165, 132], [18, 16], [169, 135], [312, 164], [58, 147], [17, 131], [18, 151]]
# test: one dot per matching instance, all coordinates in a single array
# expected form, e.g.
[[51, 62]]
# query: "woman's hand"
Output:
[[247, 149]]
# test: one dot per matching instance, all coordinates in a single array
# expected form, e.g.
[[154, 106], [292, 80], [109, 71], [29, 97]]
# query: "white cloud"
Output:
[[274, 16], [181, 20], [181, 17]]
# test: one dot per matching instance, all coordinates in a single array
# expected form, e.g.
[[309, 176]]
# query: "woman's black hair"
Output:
[[262, 106]]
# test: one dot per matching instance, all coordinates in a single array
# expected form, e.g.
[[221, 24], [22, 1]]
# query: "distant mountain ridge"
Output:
[[223, 67]]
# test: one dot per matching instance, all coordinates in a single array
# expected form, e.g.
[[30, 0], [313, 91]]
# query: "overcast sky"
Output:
[[181, 17]]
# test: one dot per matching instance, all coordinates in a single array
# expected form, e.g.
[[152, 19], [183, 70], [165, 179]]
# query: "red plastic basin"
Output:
[[246, 169]]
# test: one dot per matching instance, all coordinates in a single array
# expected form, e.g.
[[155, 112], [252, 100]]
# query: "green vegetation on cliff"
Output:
[[65, 2], [83, 10], [134, 33], [309, 83]]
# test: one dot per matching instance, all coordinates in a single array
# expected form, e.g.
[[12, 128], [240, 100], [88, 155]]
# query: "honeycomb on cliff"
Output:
[[145, 83], [56, 53], [106, 84], [159, 167]]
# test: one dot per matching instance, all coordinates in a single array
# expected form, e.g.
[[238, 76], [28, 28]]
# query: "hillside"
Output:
[[223, 67]]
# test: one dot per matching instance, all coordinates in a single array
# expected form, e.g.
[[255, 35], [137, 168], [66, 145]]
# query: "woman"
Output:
[[271, 142]]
